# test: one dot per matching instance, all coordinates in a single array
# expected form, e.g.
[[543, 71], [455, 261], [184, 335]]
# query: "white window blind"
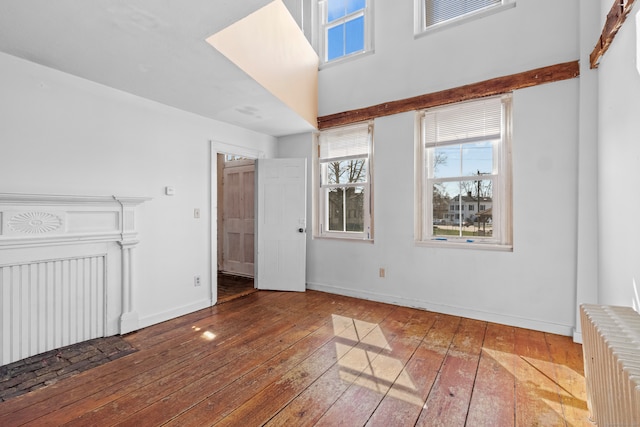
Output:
[[475, 121], [444, 10], [344, 143]]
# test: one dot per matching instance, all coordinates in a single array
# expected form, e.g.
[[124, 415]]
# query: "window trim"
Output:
[[319, 38], [421, 29], [423, 216], [319, 213]]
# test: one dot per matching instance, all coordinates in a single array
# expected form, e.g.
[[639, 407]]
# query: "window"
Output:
[[343, 169], [430, 13], [465, 155], [345, 27]]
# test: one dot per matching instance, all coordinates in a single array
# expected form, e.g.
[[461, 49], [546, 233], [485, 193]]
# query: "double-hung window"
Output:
[[464, 193], [431, 13], [343, 190], [345, 28]]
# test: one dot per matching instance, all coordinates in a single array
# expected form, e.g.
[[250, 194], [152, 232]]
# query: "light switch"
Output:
[[169, 191], [196, 213]]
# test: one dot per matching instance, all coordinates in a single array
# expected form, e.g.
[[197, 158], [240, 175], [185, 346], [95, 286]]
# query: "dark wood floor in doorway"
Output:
[[231, 287], [298, 359]]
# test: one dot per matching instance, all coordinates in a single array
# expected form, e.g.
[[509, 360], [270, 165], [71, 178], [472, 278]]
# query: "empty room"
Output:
[[319, 212]]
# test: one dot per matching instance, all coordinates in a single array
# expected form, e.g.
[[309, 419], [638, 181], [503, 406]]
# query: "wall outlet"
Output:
[[196, 280], [382, 272]]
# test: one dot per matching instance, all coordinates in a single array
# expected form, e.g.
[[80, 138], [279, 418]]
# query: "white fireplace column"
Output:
[[129, 319]]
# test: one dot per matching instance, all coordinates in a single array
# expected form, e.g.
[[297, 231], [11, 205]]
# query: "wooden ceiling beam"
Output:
[[615, 18], [495, 86]]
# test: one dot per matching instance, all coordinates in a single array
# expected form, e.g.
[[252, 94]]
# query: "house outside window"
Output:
[[465, 162], [343, 191], [345, 28], [434, 13]]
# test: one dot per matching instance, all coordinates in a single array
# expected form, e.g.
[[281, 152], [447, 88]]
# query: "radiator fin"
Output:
[[611, 348]]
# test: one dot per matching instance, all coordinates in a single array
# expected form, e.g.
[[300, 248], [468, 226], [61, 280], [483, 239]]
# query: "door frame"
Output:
[[219, 147]]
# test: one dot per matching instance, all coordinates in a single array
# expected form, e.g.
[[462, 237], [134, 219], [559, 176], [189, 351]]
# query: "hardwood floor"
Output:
[[295, 359], [231, 287]]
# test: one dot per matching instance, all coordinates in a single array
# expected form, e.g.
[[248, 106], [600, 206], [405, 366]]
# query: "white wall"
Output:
[[536, 33], [535, 285], [619, 165], [61, 134]]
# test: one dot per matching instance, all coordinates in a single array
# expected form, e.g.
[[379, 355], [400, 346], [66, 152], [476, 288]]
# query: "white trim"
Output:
[[461, 243], [173, 313], [219, 147], [485, 316], [500, 176], [420, 30], [577, 336], [319, 36], [319, 190], [226, 148]]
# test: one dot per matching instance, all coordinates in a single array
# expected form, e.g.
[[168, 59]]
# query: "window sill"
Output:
[[452, 244], [348, 239], [462, 20], [345, 59]]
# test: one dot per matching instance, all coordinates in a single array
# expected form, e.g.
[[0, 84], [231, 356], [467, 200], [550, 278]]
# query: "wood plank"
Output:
[[568, 360], [215, 397], [307, 408], [177, 353], [449, 399], [537, 394], [220, 404], [316, 358], [495, 86], [493, 396], [181, 327], [365, 338], [404, 401], [226, 359]]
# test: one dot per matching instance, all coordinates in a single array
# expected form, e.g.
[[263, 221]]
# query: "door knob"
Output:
[[300, 230]]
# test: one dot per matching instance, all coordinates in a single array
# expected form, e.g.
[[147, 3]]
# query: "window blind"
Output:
[[344, 143], [443, 10], [470, 122]]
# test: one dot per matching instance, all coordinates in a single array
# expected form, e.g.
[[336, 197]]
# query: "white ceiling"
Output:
[[155, 49]]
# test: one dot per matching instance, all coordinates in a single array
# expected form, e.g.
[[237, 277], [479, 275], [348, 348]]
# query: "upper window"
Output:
[[466, 162], [343, 193], [344, 28], [434, 12]]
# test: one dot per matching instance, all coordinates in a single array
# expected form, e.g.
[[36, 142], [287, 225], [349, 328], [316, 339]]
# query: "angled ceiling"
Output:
[[155, 49]]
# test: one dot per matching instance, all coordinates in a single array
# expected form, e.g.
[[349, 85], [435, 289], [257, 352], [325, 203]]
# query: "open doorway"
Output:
[[236, 226]]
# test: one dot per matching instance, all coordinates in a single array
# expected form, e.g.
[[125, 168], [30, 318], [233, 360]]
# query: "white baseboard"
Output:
[[577, 336], [173, 313], [520, 322]]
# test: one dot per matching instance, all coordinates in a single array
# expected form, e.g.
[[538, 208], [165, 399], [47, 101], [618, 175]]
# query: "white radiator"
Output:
[[611, 348], [51, 304]]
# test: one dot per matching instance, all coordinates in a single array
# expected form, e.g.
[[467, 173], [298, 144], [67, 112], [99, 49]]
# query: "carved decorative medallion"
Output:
[[34, 222]]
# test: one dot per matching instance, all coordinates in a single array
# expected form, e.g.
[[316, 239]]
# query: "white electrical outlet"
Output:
[[196, 280]]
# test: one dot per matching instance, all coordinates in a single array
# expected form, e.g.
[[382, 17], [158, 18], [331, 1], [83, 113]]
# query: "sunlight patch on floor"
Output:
[[570, 384], [359, 348]]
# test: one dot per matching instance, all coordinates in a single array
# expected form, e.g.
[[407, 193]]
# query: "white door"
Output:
[[238, 222], [281, 224]]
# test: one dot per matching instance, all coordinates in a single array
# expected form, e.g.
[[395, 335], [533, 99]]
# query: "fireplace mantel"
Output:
[[77, 249]]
